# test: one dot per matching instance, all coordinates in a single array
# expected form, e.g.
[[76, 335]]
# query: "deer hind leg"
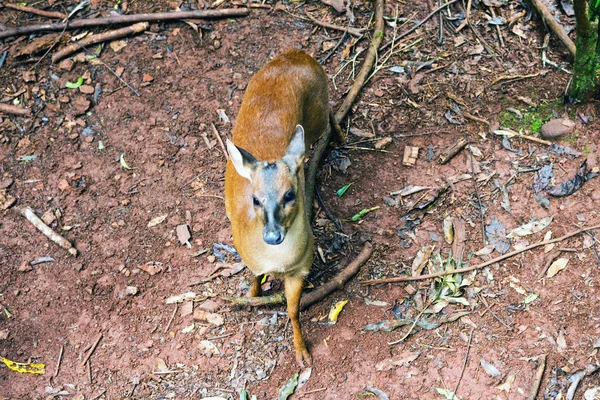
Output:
[[293, 292]]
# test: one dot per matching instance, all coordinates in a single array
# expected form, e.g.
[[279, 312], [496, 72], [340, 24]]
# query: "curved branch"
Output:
[[317, 295]]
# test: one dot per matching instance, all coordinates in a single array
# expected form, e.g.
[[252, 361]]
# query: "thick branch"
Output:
[[317, 295], [126, 19], [478, 266], [321, 145], [555, 26]]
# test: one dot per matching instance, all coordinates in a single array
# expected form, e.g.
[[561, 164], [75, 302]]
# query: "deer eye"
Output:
[[289, 196], [255, 201]]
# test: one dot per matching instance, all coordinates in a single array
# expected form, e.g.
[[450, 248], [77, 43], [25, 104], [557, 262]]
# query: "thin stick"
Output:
[[498, 31], [10, 109], [46, 230], [60, 354], [127, 19], [317, 295], [414, 28], [474, 118], [513, 78], [359, 82], [216, 132], [467, 16], [353, 31], [537, 380], [171, 319], [89, 354], [32, 10], [478, 266], [412, 326], [481, 214], [462, 372], [112, 72], [333, 219], [313, 391], [89, 371], [96, 397], [99, 38]]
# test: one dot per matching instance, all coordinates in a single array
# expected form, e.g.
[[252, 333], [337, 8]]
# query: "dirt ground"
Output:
[[70, 160]]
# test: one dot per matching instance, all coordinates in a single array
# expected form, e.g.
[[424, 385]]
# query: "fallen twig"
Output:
[[462, 371], [474, 118], [10, 109], [478, 266], [554, 26], [91, 351], [513, 78], [112, 71], [414, 28], [99, 38], [126, 19], [467, 16], [58, 362], [216, 132], [317, 295], [360, 80], [452, 151], [537, 380], [32, 10], [171, 319], [476, 190], [46, 230], [96, 397], [353, 31]]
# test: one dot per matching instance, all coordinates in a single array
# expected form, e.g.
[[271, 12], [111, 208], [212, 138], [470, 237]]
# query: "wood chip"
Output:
[[410, 156]]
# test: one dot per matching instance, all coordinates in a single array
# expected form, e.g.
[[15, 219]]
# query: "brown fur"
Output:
[[290, 90]]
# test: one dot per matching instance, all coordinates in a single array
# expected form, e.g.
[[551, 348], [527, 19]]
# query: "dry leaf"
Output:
[[556, 267], [157, 220], [152, 267], [403, 360]]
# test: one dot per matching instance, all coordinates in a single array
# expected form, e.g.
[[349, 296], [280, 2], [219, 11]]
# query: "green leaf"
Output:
[[74, 85], [288, 389], [362, 213], [530, 298], [447, 393], [100, 145], [124, 163], [340, 192]]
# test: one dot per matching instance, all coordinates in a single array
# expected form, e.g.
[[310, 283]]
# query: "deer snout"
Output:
[[273, 236]]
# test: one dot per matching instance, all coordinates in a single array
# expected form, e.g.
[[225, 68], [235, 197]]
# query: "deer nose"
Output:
[[273, 237]]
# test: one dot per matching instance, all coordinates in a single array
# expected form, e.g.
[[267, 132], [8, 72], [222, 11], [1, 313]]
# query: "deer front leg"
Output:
[[256, 289], [293, 292]]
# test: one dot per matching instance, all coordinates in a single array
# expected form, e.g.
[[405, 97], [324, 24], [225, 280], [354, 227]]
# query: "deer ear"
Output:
[[294, 155], [243, 162]]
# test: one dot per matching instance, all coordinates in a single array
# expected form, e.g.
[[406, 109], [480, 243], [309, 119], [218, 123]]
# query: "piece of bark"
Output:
[[125, 19], [411, 154], [10, 109], [452, 151], [99, 38]]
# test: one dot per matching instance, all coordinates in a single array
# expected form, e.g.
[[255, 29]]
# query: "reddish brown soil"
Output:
[[67, 303]]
